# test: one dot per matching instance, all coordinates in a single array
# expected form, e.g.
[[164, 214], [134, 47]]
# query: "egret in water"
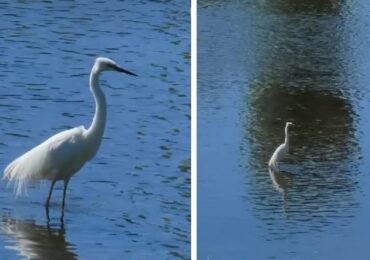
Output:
[[280, 151], [62, 155]]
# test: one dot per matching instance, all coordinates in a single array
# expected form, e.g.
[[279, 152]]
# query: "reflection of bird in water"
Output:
[[280, 151], [62, 155], [34, 241], [279, 184], [277, 181]]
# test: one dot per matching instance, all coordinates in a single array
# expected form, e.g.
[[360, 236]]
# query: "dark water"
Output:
[[262, 63], [132, 201]]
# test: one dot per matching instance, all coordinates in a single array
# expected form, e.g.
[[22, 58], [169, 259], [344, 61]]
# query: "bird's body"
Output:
[[49, 160], [62, 155], [281, 151]]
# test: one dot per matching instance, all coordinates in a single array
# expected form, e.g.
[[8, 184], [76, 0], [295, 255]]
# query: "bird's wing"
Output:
[[44, 160], [277, 155]]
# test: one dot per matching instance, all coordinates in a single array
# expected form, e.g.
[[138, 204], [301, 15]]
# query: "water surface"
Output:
[[132, 201], [260, 65]]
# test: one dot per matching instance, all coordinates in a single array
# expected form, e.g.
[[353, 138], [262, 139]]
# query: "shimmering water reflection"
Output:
[[132, 201], [262, 64]]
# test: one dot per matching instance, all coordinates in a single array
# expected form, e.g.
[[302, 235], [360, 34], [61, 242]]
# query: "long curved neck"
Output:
[[96, 129], [286, 136]]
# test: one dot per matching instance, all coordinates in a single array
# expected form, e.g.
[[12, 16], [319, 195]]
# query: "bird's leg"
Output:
[[64, 194], [50, 192], [47, 219], [62, 223]]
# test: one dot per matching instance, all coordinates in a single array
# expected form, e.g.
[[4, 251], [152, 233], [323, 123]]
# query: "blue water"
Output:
[[261, 64], [132, 201]]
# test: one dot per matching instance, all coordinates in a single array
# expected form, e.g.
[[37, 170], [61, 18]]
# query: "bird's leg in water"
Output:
[[50, 192], [47, 219], [64, 193]]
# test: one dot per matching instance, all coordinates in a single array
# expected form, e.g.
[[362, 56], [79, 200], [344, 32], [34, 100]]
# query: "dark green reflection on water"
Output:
[[319, 181], [301, 78], [262, 63], [303, 6]]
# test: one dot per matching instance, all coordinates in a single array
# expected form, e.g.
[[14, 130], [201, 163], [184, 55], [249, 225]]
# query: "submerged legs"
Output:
[[63, 201], [50, 192], [48, 200], [64, 193]]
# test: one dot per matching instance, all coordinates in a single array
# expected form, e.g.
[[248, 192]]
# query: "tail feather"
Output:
[[13, 173]]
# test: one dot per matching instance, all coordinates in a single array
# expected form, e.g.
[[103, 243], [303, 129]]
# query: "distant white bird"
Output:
[[62, 155], [280, 151]]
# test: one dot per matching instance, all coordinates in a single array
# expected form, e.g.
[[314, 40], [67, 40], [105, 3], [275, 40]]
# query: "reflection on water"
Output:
[[279, 182], [304, 6], [307, 88], [135, 193], [36, 241], [324, 122], [261, 64]]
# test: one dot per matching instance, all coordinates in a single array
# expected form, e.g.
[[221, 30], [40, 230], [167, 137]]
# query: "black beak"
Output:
[[117, 68]]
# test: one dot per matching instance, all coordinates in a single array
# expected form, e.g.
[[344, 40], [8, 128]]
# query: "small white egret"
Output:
[[62, 155], [280, 151]]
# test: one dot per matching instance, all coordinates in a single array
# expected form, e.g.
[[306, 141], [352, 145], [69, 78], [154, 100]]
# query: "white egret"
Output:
[[280, 151], [62, 155]]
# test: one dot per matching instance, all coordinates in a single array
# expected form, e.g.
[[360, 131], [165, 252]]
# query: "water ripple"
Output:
[[46, 60]]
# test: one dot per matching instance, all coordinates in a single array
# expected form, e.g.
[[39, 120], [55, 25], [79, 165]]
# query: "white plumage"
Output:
[[62, 155], [54, 159], [280, 151]]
